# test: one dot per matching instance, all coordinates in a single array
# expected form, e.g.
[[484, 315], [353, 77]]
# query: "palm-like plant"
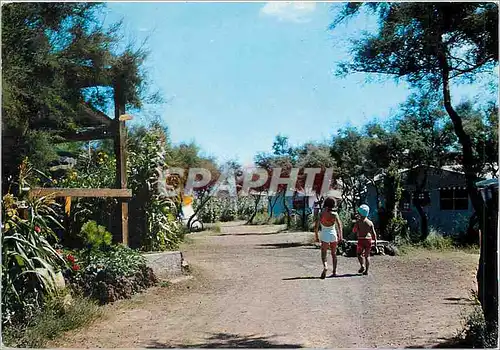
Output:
[[29, 262]]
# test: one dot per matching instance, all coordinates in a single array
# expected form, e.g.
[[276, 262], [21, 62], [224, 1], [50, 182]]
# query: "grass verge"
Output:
[[58, 316]]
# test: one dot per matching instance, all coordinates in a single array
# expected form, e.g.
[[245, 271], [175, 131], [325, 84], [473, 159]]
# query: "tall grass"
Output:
[[435, 241], [58, 316]]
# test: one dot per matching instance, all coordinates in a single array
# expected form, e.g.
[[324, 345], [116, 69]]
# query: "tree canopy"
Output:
[[57, 60]]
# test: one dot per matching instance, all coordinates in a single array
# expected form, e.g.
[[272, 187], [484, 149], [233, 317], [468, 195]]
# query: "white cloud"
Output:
[[289, 11]]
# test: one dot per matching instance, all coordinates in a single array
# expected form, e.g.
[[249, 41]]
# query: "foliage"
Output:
[[56, 57], [107, 275], [436, 241], [410, 40], [94, 169], [280, 220], [118, 260], [217, 209], [261, 219], [348, 150], [347, 225], [474, 333], [245, 207], [95, 235], [481, 123], [29, 262], [59, 314], [217, 228]]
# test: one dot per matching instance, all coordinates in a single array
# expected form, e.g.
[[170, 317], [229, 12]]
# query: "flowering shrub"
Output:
[[218, 209], [109, 274]]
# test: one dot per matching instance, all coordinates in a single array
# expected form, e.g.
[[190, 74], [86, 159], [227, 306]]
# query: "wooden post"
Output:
[[121, 158]]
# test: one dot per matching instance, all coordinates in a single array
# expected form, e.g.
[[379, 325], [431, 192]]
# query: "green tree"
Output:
[[425, 143], [349, 150], [429, 45], [57, 58]]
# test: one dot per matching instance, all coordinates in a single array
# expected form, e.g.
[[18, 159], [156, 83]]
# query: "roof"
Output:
[[449, 168], [487, 183]]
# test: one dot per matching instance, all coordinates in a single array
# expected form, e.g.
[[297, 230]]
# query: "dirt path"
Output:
[[256, 288]]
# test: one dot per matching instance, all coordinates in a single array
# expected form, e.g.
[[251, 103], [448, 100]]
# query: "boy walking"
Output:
[[366, 232]]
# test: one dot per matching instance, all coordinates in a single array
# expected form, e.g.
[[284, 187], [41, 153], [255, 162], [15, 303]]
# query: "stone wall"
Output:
[[167, 264]]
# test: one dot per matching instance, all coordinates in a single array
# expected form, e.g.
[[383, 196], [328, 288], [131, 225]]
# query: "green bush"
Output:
[[58, 315], [211, 212], [397, 227], [152, 217], [228, 213], [474, 334], [280, 220], [347, 225], [217, 228], [246, 206], [95, 235], [217, 209], [29, 262], [261, 219], [111, 274], [436, 241]]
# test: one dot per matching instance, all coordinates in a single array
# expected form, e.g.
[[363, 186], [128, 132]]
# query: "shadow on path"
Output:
[[284, 245], [226, 340], [444, 343], [301, 278], [248, 234], [458, 301], [317, 278], [347, 275]]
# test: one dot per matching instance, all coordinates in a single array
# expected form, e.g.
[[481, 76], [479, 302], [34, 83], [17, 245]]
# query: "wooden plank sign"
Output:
[[82, 192]]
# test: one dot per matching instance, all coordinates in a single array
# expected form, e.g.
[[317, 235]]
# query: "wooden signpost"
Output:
[[113, 128]]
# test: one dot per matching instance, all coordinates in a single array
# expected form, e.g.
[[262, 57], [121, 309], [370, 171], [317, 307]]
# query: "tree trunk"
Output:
[[424, 223], [257, 201], [287, 210], [487, 270], [471, 234], [203, 202], [272, 204], [391, 188], [304, 215]]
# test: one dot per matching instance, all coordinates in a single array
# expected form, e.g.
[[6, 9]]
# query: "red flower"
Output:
[[75, 267], [70, 258], [38, 229]]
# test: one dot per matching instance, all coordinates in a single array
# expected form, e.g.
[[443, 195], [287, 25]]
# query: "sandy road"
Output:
[[254, 287]]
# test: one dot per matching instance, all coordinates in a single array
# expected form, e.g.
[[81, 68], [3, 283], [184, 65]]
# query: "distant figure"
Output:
[[330, 233], [366, 232]]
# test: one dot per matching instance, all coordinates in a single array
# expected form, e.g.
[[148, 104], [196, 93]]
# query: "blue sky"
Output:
[[237, 74]]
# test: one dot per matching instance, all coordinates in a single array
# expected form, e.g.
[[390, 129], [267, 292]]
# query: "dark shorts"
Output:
[[364, 244]]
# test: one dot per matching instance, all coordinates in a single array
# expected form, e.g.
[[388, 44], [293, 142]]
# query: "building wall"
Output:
[[279, 207], [448, 222]]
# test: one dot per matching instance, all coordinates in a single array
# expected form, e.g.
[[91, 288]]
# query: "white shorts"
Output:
[[328, 234]]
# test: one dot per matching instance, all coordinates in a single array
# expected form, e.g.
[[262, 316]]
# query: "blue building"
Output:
[[297, 202], [446, 202]]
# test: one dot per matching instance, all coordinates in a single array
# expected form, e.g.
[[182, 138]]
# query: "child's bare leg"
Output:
[[361, 261], [333, 248], [324, 251], [367, 257]]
